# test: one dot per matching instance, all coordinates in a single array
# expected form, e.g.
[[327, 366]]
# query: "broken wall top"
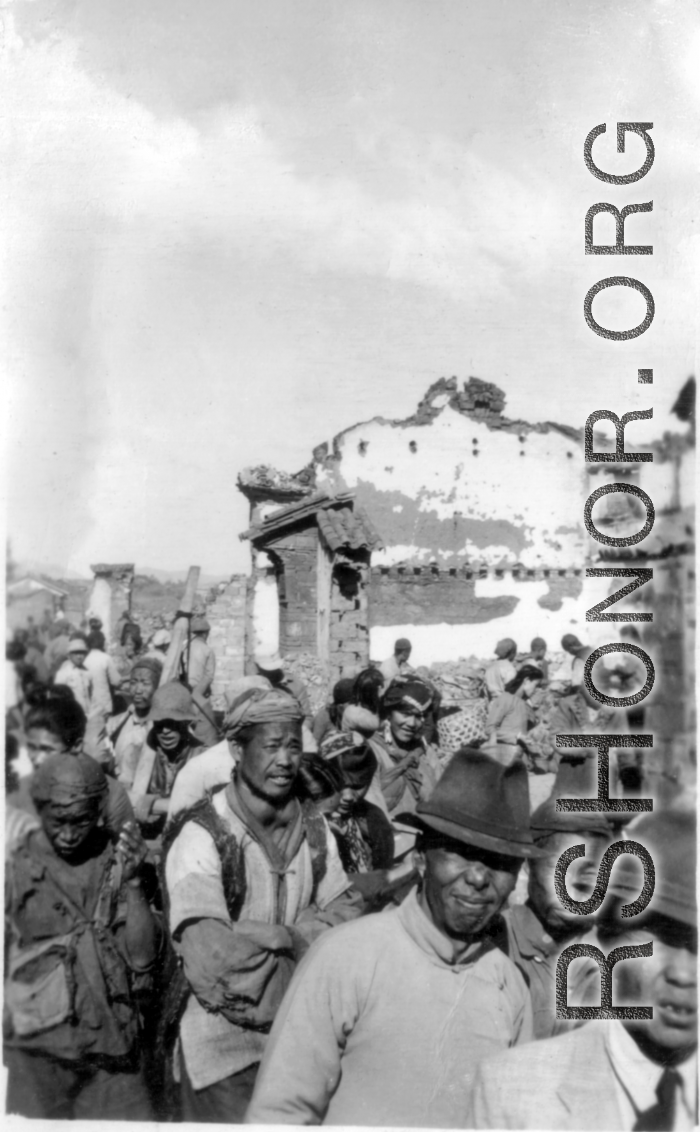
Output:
[[460, 482]]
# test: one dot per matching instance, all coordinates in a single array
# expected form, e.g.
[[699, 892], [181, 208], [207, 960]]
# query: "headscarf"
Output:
[[243, 684], [65, 779], [505, 648], [259, 706], [334, 745], [411, 694]]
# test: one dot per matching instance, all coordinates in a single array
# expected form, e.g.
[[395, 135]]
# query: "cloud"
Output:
[[190, 293], [93, 160]]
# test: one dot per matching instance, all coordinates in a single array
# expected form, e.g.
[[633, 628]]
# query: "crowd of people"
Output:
[[347, 916]]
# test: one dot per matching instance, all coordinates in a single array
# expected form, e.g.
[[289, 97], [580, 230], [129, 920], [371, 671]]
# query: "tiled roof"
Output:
[[344, 527], [341, 525]]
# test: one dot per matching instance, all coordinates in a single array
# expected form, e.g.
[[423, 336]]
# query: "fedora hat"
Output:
[[481, 802], [172, 701], [671, 840]]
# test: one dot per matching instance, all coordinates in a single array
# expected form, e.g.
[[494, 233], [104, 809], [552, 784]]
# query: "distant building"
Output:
[[459, 526], [33, 597]]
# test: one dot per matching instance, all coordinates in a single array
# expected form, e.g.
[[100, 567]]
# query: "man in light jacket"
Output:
[[387, 1018], [633, 1074]]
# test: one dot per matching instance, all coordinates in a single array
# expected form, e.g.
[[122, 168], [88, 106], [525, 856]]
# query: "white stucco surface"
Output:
[[266, 618], [536, 485], [441, 642]]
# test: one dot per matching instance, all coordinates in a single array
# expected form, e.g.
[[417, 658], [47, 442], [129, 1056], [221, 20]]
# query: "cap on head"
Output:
[[64, 779], [480, 802], [402, 645], [268, 662], [78, 643], [172, 701], [671, 840], [151, 663], [199, 624], [161, 638]]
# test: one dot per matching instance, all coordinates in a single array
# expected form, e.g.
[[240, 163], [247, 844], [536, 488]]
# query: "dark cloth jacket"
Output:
[[45, 898]]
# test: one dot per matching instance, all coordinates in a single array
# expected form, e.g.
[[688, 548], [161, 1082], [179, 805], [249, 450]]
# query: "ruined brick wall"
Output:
[[295, 553], [226, 614], [349, 622], [454, 613]]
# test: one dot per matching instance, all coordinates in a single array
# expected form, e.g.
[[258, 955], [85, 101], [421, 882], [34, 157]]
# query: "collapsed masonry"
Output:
[[458, 526]]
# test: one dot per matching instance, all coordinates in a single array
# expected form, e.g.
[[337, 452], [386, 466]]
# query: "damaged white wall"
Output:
[[456, 490], [441, 642]]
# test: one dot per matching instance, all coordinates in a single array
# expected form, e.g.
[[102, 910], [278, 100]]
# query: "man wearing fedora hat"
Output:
[[639, 1073], [387, 1018]]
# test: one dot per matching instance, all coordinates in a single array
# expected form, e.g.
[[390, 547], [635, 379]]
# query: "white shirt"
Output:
[[213, 1047], [79, 681], [105, 676], [636, 1079]]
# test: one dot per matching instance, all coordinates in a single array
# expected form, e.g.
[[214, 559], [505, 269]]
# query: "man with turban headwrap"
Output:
[[252, 877], [82, 942], [212, 768]]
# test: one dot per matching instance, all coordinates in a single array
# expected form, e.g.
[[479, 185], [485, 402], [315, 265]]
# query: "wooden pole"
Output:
[[180, 628]]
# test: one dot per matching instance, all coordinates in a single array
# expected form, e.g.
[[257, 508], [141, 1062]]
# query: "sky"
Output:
[[232, 228]]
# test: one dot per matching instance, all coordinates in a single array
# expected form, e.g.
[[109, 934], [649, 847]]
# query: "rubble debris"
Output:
[[266, 482]]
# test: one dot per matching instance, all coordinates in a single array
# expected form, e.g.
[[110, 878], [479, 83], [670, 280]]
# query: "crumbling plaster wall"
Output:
[[455, 490], [448, 617]]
